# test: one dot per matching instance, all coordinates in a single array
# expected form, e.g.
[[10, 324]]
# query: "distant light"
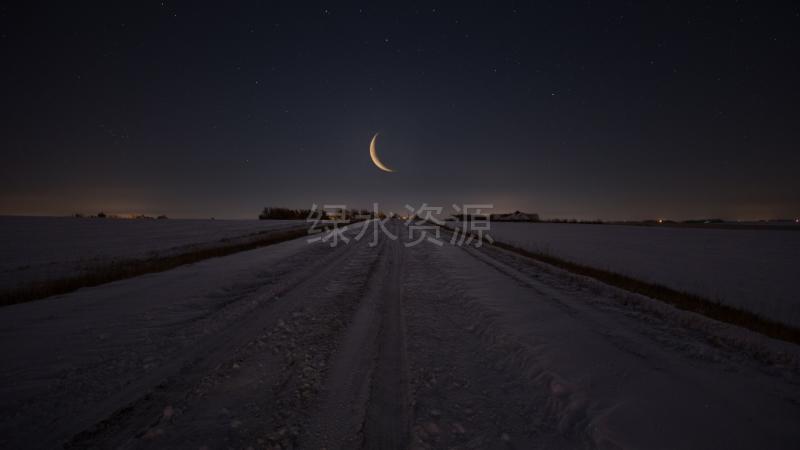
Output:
[[660, 220]]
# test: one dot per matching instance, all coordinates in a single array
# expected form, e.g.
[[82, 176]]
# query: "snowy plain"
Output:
[[756, 270], [45, 248], [300, 345]]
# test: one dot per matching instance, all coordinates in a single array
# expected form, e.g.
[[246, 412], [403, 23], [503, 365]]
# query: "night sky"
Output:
[[611, 110]]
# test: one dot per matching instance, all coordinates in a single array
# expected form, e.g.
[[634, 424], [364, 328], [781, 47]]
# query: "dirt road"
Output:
[[354, 346]]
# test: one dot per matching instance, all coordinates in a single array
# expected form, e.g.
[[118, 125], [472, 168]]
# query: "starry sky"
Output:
[[610, 110]]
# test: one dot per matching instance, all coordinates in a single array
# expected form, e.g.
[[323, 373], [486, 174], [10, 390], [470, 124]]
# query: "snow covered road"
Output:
[[304, 345]]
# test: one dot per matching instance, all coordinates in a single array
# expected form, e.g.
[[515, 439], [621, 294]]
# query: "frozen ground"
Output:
[[44, 248], [758, 270], [307, 346]]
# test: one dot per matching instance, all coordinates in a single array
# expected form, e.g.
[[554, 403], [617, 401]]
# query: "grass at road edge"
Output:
[[678, 299], [119, 270]]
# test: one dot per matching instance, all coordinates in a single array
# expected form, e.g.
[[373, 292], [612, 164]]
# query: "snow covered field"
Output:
[[299, 345], [757, 270], [45, 248]]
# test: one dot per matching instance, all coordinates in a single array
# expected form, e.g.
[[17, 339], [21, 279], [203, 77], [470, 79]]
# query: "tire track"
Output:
[[339, 417], [133, 411], [365, 401], [263, 396], [387, 420], [467, 390]]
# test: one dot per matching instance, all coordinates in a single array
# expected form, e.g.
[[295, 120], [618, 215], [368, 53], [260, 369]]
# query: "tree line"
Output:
[[279, 213]]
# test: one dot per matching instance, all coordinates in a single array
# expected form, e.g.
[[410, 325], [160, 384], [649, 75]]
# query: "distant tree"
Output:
[[272, 213], [470, 217], [101, 215]]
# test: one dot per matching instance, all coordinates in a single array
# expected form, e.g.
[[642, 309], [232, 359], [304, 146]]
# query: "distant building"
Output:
[[516, 216]]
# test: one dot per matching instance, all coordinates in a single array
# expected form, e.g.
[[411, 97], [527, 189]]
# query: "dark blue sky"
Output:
[[613, 110]]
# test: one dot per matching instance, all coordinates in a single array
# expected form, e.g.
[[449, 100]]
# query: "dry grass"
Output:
[[678, 299], [120, 270]]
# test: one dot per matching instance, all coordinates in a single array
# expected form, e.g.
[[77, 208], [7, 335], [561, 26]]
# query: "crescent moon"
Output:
[[374, 155]]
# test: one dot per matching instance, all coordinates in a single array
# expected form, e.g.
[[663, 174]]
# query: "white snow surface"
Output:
[[495, 350], [44, 248], [757, 270]]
